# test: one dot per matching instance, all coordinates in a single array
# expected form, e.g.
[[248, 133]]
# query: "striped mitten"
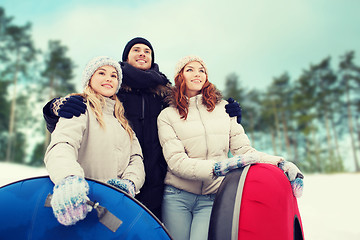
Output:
[[294, 175], [223, 167], [123, 184], [69, 200]]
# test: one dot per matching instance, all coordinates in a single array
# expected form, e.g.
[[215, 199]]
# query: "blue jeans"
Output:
[[186, 215]]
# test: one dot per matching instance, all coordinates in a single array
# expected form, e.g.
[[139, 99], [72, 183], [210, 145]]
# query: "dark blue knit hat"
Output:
[[134, 41]]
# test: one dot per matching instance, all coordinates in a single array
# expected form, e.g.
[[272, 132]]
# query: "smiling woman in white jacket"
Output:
[[196, 135], [99, 144]]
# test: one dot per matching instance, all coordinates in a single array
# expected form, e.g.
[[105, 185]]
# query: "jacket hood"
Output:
[[160, 90]]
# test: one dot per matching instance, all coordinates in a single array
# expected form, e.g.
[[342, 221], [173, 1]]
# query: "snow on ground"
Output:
[[329, 207], [10, 172]]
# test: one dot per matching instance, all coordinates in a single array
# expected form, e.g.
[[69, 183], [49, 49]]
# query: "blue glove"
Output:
[[223, 167], [69, 200], [68, 107], [294, 175], [233, 109], [123, 184]]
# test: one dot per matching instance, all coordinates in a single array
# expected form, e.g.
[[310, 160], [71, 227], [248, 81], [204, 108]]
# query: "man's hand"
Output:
[[68, 107]]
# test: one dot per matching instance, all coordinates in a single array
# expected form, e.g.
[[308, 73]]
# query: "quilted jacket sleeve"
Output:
[[135, 170], [62, 153]]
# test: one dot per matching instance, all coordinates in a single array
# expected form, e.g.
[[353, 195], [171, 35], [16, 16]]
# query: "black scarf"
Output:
[[142, 79]]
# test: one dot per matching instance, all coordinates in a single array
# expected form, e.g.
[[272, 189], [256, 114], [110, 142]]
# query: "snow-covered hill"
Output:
[[329, 207]]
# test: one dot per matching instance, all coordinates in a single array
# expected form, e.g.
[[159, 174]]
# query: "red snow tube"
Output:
[[255, 203]]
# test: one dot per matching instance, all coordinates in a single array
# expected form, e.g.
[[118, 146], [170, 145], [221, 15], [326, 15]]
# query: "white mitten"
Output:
[[69, 200], [291, 170], [123, 184], [223, 167], [294, 175]]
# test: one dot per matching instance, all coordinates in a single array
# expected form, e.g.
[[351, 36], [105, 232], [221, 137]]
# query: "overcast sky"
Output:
[[257, 39]]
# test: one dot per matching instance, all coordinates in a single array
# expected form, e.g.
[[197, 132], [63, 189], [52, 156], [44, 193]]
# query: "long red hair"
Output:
[[208, 91]]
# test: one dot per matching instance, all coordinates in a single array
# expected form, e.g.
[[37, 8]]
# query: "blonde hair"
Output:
[[96, 101]]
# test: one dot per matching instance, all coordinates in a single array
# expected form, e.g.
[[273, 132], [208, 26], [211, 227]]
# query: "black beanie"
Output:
[[134, 41]]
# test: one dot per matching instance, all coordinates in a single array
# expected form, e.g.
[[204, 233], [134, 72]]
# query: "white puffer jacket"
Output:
[[79, 146], [192, 146]]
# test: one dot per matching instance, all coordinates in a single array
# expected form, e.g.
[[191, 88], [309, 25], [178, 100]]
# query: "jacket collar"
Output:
[[109, 106]]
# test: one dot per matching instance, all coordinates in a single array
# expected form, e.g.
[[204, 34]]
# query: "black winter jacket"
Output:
[[142, 94]]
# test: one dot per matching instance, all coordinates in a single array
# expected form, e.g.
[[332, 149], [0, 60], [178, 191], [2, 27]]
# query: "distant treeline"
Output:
[[312, 119]]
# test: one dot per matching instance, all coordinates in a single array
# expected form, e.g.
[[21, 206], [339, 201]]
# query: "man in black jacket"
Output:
[[142, 93]]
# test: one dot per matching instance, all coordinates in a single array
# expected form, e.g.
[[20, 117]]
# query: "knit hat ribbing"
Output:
[[97, 62], [134, 41], [185, 60]]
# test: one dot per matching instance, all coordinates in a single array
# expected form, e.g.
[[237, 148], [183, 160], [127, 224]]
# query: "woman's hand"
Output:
[[69, 200]]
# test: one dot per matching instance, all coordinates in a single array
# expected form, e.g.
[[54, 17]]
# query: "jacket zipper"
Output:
[[142, 117], [206, 142], [142, 108]]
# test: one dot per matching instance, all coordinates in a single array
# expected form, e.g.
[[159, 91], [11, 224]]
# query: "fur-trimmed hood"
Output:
[[161, 90], [151, 80]]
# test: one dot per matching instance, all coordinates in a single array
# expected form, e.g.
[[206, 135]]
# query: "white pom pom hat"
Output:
[[185, 60], [97, 62]]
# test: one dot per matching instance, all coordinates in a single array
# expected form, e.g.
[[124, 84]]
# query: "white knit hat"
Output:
[[97, 62], [185, 60]]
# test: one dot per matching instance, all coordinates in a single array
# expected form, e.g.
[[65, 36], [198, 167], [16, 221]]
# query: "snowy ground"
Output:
[[329, 207]]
